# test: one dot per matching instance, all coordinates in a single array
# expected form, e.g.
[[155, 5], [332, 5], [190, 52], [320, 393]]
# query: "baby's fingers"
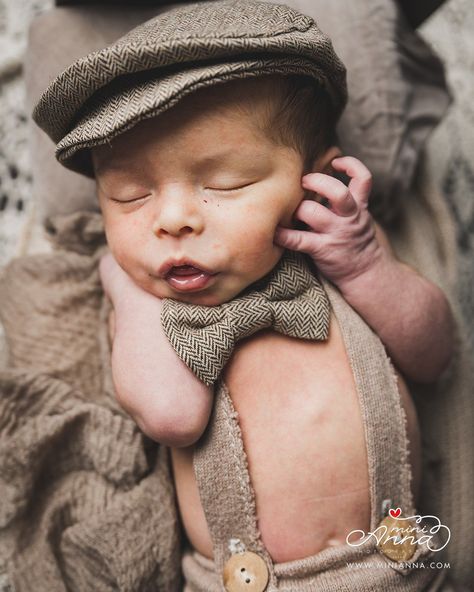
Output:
[[318, 217], [297, 240], [361, 178], [340, 199]]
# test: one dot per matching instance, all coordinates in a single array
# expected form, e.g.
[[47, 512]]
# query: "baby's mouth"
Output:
[[184, 270], [186, 278]]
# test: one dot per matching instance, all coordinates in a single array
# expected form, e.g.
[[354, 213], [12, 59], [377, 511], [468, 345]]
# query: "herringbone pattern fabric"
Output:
[[290, 299], [151, 68]]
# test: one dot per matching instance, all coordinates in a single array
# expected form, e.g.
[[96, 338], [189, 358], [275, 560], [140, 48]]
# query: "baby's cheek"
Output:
[[115, 247], [262, 254], [259, 237], [121, 238], [113, 234], [123, 254], [289, 208]]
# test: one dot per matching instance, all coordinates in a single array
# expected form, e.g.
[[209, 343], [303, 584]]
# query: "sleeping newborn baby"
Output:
[[198, 204], [203, 197]]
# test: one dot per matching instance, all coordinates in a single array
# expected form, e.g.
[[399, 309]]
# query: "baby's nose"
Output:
[[164, 229], [176, 218]]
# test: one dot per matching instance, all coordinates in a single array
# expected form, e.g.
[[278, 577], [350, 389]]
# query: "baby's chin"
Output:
[[213, 296]]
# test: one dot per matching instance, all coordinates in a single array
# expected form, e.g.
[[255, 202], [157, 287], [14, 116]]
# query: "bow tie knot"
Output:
[[290, 299]]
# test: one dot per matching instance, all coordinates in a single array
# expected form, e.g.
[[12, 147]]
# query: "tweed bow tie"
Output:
[[290, 299]]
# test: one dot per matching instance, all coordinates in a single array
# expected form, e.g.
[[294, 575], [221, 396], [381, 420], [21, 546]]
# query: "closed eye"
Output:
[[135, 199], [229, 188]]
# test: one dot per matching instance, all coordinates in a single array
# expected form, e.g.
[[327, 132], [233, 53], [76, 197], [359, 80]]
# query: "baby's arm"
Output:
[[169, 404], [409, 313], [413, 317]]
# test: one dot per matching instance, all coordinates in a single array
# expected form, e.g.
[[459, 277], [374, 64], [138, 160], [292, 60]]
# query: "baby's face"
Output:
[[200, 185]]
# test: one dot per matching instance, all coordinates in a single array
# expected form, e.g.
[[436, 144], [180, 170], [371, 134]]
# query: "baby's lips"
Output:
[[173, 264], [184, 270]]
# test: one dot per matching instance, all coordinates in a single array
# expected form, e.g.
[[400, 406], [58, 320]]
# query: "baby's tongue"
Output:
[[185, 270]]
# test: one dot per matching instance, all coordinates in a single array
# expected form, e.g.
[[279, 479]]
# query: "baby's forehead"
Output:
[[236, 105]]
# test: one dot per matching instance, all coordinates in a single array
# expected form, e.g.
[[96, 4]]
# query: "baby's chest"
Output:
[[297, 396], [274, 375]]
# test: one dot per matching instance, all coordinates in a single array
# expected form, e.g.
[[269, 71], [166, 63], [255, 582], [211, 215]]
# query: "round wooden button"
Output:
[[245, 572], [397, 531]]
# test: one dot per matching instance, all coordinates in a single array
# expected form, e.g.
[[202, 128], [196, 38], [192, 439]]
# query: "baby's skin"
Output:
[[310, 491]]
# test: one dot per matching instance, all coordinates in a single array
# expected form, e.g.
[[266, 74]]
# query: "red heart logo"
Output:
[[395, 513]]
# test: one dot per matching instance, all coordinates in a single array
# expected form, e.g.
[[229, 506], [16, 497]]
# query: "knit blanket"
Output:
[[87, 501]]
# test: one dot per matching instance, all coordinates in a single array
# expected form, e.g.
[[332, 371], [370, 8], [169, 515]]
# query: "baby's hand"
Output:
[[342, 239], [152, 384]]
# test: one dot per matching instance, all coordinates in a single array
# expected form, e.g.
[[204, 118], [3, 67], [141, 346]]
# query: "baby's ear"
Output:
[[322, 164]]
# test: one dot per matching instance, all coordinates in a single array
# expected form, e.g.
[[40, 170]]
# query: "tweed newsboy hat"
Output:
[[152, 67]]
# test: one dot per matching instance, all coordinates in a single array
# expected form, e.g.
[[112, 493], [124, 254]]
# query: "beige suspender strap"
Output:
[[220, 464], [382, 412]]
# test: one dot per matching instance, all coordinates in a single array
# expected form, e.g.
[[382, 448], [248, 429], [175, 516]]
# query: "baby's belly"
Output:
[[304, 438]]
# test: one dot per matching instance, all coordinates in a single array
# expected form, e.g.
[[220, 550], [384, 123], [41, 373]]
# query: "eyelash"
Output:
[[229, 188], [126, 201], [226, 189]]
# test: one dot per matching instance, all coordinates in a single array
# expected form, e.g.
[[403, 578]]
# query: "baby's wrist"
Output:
[[382, 268]]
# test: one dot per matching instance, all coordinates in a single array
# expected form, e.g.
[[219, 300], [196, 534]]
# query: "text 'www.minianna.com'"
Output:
[[401, 565]]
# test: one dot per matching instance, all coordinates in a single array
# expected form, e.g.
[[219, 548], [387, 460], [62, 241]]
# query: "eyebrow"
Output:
[[226, 156], [201, 162], [111, 165]]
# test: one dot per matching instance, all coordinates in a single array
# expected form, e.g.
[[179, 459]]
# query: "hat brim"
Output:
[[129, 100]]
